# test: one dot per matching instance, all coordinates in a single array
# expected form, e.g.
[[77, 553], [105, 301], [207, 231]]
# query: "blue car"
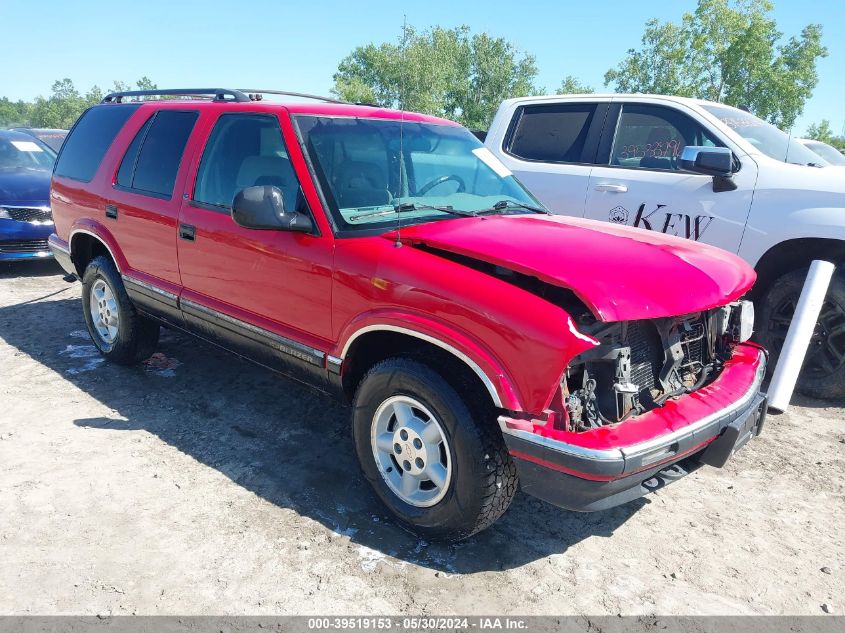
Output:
[[26, 165]]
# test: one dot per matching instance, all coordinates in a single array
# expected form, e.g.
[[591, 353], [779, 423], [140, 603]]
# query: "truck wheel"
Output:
[[437, 462], [119, 332], [823, 373]]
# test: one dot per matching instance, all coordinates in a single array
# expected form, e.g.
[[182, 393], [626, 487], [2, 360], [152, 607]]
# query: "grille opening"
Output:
[[647, 354], [639, 366], [37, 215], [24, 246]]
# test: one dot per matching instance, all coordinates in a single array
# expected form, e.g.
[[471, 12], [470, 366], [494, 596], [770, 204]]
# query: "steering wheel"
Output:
[[439, 181]]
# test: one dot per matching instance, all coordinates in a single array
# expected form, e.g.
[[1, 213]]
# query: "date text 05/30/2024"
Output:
[[417, 624]]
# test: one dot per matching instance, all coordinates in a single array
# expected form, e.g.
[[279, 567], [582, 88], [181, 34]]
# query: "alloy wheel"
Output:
[[411, 451], [104, 311]]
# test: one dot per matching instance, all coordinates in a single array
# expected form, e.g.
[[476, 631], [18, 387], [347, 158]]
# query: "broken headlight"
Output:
[[736, 321]]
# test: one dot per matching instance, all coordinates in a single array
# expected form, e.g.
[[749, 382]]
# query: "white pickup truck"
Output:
[[699, 170]]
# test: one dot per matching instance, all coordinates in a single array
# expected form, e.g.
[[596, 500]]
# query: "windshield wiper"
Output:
[[502, 205], [405, 207]]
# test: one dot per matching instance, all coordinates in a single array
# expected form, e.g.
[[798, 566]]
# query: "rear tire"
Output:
[[460, 476], [120, 333], [823, 373]]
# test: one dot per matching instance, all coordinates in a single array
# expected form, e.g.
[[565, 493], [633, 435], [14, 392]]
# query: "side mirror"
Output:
[[711, 161], [263, 207]]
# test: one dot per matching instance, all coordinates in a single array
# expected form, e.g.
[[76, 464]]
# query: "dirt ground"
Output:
[[200, 484]]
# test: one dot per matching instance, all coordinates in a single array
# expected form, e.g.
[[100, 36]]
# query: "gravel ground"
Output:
[[200, 484]]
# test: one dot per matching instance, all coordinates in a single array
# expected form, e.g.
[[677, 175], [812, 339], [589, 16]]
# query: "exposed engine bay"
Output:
[[643, 364]]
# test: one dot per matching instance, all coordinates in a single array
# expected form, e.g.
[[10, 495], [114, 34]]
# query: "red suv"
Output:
[[390, 258]]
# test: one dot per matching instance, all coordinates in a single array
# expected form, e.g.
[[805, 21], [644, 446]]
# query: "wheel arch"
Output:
[[795, 254], [86, 243], [370, 344]]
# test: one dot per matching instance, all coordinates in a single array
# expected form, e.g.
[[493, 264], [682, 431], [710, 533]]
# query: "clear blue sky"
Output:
[[297, 45]]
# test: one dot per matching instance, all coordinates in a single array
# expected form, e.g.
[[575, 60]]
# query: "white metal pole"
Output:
[[799, 334]]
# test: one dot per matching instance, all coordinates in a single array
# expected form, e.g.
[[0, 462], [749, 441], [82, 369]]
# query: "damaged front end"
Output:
[[653, 400], [640, 365]]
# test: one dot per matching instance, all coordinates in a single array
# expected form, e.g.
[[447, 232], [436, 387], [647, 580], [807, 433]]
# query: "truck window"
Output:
[[652, 137], [158, 147], [367, 167], [553, 133], [90, 139], [245, 150], [764, 136], [127, 165]]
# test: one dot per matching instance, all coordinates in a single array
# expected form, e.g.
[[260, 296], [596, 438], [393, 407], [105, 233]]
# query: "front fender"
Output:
[[769, 226], [499, 383], [516, 341]]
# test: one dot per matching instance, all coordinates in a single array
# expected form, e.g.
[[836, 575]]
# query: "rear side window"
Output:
[[127, 165], [89, 140], [554, 133], [152, 159]]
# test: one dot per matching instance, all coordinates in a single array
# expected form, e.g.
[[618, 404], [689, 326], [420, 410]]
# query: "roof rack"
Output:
[[217, 94], [255, 95]]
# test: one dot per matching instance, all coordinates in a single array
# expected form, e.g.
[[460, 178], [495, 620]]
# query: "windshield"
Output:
[[372, 169], [765, 137], [828, 152], [22, 151]]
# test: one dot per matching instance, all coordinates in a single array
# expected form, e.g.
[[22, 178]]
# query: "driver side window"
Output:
[[245, 150], [653, 137]]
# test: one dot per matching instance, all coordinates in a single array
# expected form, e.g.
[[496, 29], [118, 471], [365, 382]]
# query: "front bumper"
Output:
[[602, 470], [22, 241]]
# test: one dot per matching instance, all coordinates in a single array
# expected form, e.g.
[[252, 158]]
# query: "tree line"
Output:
[[824, 132], [726, 50], [62, 107]]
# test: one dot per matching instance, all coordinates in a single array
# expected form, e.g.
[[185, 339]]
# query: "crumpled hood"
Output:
[[620, 273], [24, 186]]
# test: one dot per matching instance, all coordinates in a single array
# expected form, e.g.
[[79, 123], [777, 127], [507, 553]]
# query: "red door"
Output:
[[276, 281], [145, 197]]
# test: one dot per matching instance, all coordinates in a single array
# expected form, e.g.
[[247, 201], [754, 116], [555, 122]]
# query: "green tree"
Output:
[[822, 132], [145, 83], [59, 110], [572, 86], [444, 72], [14, 113], [728, 51]]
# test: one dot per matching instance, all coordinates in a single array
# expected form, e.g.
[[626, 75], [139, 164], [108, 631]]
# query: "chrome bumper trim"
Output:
[[643, 448]]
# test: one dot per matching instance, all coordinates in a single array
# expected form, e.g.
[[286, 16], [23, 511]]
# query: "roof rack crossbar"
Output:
[[303, 95], [217, 94]]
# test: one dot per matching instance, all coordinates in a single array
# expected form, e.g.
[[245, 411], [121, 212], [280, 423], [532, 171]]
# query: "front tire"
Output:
[[432, 454], [823, 373], [120, 333]]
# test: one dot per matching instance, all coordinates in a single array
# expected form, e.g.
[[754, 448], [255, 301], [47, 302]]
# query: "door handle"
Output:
[[111, 211], [612, 187], [187, 232]]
